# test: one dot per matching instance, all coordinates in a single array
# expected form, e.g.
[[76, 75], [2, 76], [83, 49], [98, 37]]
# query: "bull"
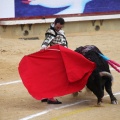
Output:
[[101, 78]]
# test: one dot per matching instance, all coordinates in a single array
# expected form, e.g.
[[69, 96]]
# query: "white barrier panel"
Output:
[[7, 9], [67, 19]]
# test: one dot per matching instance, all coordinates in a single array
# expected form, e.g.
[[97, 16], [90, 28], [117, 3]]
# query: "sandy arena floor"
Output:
[[17, 104]]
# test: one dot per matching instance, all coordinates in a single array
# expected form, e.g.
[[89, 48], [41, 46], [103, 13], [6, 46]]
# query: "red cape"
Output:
[[54, 72]]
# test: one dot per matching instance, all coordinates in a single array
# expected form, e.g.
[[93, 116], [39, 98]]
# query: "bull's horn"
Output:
[[104, 73]]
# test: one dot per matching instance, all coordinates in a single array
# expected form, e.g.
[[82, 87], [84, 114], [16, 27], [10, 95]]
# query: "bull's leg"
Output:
[[108, 88], [99, 97], [99, 92], [95, 85]]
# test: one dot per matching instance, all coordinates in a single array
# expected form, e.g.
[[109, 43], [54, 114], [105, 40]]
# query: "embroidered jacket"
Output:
[[53, 37]]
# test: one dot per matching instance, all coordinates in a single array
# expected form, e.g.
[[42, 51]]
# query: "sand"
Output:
[[15, 101]]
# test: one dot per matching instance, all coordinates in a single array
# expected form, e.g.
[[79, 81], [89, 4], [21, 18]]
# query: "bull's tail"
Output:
[[107, 74]]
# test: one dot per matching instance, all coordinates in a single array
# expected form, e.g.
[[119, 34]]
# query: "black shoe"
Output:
[[54, 102], [44, 100]]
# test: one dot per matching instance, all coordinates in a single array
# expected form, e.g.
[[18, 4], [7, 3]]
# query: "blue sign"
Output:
[[43, 8], [35, 8]]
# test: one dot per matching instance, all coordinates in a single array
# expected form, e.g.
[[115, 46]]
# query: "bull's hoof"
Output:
[[99, 103], [114, 102], [75, 94]]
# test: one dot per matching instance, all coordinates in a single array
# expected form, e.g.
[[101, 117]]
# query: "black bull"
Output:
[[101, 77]]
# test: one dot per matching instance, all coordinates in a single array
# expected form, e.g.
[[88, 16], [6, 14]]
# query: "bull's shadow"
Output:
[[101, 78]]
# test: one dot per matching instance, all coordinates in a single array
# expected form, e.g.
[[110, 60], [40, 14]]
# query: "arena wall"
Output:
[[29, 19], [36, 31]]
